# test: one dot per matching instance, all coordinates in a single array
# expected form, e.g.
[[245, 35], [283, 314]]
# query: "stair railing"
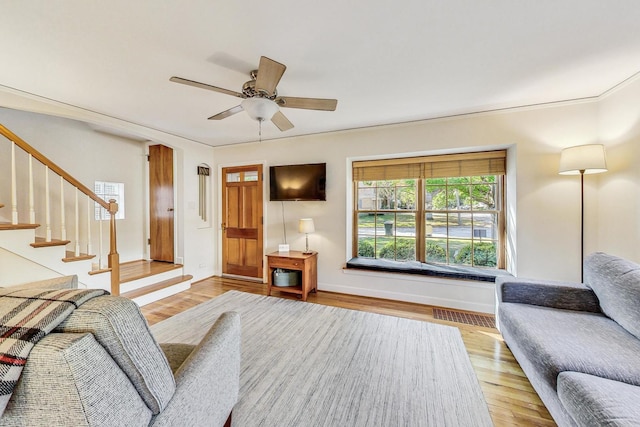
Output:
[[113, 258]]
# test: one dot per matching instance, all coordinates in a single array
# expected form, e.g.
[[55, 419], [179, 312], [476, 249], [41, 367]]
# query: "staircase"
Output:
[[31, 251]]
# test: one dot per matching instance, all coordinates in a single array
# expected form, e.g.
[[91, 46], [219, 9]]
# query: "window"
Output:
[[107, 191], [438, 209]]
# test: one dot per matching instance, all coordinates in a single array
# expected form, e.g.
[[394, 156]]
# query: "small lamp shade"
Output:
[[587, 159], [305, 225], [259, 109]]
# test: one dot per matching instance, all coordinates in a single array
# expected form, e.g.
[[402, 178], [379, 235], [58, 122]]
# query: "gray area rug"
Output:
[[307, 365]]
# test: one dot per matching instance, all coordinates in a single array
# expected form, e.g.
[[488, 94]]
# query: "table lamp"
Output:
[[305, 225]]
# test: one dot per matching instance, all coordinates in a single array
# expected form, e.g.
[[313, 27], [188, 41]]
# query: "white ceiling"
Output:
[[385, 61]]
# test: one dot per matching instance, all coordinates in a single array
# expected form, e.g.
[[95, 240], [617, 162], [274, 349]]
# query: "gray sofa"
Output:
[[102, 367], [579, 344]]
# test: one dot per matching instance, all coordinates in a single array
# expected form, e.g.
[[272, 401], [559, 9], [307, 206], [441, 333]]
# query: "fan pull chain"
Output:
[[259, 130]]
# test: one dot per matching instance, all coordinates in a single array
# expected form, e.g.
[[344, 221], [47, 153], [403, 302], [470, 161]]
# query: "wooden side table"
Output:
[[297, 261]]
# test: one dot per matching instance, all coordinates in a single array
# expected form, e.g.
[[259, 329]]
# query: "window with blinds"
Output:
[[446, 209]]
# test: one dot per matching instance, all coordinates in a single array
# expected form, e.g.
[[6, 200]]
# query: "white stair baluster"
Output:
[[77, 230], [63, 228], [100, 238], [14, 193], [89, 248], [47, 205], [32, 210]]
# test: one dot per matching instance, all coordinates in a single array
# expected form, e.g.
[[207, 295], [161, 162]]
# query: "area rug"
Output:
[[309, 365]]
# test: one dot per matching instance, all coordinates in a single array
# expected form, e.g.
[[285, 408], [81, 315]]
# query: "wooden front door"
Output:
[[161, 203], [242, 251]]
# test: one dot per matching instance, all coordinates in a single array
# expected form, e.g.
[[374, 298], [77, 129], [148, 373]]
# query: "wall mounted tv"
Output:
[[298, 182]]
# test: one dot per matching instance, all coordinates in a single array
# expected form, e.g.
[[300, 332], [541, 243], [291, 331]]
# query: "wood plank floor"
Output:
[[511, 399]]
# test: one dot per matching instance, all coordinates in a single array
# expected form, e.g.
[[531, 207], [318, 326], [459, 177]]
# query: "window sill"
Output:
[[427, 269]]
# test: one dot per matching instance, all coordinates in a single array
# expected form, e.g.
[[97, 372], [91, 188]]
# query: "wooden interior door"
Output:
[[242, 251], [161, 240]]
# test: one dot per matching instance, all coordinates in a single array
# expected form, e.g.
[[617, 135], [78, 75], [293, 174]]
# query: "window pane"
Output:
[[435, 197], [483, 196], [406, 194], [485, 226], [366, 225], [405, 225], [484, 254], [366, 247], [385, 224], [233, 177], [436, 224], [459, 252], [366, 198], [251, 176], [459, 225], [385, 247], [436, 250]]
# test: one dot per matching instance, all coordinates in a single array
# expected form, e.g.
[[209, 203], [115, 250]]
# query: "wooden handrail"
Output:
[[111, 206], [52, 166]]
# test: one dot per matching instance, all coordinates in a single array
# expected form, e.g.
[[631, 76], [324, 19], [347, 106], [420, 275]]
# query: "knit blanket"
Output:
[[26, 316]]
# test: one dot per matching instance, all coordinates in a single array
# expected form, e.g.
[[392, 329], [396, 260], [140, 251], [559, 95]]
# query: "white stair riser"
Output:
[[150, 280]]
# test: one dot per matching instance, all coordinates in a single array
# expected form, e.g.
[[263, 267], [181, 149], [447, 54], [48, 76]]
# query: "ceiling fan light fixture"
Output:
[[259, 109]]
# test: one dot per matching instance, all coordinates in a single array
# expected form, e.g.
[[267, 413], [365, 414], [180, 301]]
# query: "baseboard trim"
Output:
[[407, 297]]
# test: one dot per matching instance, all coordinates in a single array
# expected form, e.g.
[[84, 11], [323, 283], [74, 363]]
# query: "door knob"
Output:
[[170, 210]]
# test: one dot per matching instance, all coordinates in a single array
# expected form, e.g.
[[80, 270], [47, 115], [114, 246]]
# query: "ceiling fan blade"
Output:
[[206, 86], [281, 121], [227, 113], [269, 74], [307, 103]]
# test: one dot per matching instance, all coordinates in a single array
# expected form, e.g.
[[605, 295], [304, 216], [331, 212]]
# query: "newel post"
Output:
[[114, 257]]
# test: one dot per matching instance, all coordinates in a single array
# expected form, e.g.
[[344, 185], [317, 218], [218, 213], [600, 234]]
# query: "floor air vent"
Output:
[[485, 320]]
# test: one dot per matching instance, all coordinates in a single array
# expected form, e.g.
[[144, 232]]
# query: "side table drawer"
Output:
[[289, 263]]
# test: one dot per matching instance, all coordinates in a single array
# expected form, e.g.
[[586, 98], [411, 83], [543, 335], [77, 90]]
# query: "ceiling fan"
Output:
[[260, 97]]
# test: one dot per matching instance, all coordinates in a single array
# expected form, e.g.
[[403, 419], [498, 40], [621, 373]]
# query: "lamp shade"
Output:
[[305, 225], [259, 108], [588, 158]]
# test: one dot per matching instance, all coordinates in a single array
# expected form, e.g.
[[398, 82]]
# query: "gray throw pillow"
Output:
[[616, 283]]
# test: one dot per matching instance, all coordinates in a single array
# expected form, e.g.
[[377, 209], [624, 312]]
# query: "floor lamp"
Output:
[[582, 160]]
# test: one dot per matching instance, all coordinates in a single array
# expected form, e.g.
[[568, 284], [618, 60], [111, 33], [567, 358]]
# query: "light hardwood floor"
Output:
[[511, 399]]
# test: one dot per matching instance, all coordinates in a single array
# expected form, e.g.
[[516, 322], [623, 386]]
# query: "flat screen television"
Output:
[[298, 182]]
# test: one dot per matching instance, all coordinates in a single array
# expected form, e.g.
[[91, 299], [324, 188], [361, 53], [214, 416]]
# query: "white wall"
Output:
[[618, 221], [544, 215]]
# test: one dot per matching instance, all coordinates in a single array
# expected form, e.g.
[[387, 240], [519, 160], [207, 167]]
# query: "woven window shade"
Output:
[[445, 166]]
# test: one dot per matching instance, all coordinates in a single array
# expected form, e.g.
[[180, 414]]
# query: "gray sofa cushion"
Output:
[[564, 340], [70, 380], [616, 282], [120, 328], [547, 293], [595, 401]]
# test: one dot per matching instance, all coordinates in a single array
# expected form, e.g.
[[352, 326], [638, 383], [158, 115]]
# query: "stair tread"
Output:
[[41, 242], [70, 257], [21, 226], [156, 286], [134, 270], [104, 270]]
